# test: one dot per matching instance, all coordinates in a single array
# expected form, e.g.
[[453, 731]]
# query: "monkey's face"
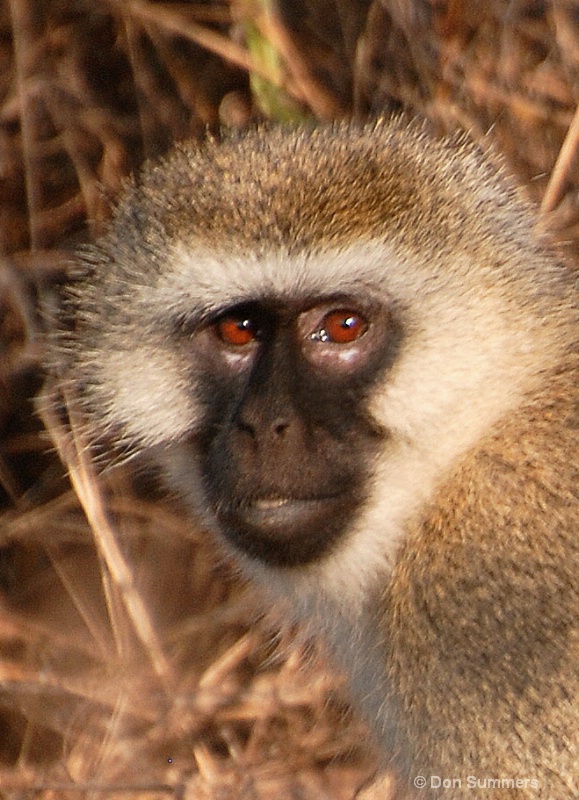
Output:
[[307, 328], [286, 446]]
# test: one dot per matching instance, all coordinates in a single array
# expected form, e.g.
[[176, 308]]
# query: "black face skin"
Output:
[[288, 444]]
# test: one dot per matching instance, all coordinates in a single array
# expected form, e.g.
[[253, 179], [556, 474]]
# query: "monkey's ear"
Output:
[[379, 787]]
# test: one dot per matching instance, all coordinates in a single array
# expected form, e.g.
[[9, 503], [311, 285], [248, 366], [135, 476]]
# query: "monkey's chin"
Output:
[[284, 531]]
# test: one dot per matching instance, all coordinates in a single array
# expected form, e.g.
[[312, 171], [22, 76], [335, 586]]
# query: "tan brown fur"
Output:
[[490, 578]]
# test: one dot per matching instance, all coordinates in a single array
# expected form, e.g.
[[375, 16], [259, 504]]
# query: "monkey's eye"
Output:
[[340, 327], [341, 336], [237, 330]]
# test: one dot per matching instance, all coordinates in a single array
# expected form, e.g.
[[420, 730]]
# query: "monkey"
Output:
[[353, 355]]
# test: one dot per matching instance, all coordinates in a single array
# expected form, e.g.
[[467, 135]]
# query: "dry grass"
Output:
[[132, 662]]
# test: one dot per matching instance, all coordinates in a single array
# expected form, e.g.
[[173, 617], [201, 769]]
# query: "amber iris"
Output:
[[343, 326], [237, 331]]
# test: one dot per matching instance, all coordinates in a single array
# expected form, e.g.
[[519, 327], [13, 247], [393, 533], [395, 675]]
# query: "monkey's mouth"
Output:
[[281, 514], [282, 529]]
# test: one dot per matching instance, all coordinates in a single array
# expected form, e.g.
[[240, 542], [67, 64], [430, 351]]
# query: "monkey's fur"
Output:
[[444, 573]]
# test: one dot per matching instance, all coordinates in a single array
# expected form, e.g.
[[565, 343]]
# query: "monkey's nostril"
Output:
[[247, 428], [280, 427]]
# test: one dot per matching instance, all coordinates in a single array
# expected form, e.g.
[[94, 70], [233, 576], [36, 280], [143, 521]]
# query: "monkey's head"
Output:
[[307, 328]]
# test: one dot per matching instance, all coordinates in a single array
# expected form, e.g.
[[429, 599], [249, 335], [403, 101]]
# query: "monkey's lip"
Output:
[[284, 530], [274, 502], [274, 514]]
